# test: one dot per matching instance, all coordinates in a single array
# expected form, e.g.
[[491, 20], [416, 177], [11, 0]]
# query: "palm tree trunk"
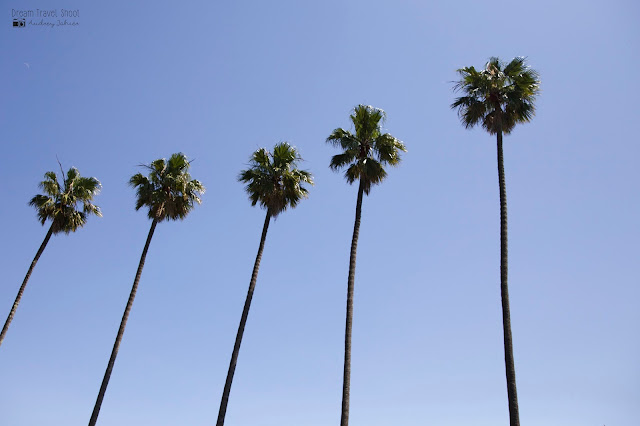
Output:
[[514, 417], [24, 284], [123, 324], [243, 321], [346, 378]]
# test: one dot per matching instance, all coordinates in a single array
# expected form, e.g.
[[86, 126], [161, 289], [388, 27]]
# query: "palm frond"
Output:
[[72, 176], [84, 189], [50, 185], [353, 173], [339, 161], [372, 173], [343, 139], [367, 121], [387, 149]]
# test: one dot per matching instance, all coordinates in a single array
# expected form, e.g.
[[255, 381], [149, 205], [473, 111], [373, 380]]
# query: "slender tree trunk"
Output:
[[514, 417], [243, 322], [24, 284], [123, 324], [346, 378]]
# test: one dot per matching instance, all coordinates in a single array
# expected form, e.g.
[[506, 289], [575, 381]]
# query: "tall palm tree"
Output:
[[273, 181], [365, 154], [170, 194], [60, 205], [497, 98]]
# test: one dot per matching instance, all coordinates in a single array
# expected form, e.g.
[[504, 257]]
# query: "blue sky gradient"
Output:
[[136, 82]]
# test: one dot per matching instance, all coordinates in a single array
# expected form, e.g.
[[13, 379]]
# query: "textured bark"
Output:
[[346, 378], [24, 284], [514, 417], [123, 324], [243, 321]]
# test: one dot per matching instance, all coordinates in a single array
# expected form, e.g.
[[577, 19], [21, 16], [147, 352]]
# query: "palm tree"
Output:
[[364, 156], [497, 98], [273, 181], [60, 205], [170, 194]]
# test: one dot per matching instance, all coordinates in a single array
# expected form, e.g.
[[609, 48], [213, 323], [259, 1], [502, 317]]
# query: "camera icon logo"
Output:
[[19, 23]]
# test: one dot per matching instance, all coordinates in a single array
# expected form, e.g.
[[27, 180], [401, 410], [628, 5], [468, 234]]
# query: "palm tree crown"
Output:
[[498, 97], [368, 150], [169, 191], [59, 204], [273, 179]]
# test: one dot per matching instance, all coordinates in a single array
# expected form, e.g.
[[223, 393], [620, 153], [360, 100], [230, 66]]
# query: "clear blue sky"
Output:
[[217, 80]]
